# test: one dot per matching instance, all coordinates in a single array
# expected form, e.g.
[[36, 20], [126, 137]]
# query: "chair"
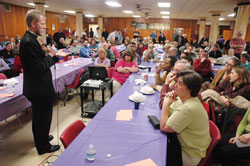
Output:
[[216, 137], [110, 72], [3, 76], [71, 132], [71, 88]]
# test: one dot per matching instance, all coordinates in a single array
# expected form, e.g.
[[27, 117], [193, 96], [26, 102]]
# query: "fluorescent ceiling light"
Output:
[[136, 16], [127, 11], [231, 15], [221, 19], [70, 11], [165, 16], [165, 12], [113, 4], [167, 4], [32, 4], [89, 15]]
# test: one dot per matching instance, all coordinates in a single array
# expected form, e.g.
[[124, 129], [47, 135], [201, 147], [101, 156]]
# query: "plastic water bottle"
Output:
[[91, 153]]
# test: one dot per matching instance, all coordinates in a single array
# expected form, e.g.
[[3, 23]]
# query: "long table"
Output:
[[126, 141], [64, 75]]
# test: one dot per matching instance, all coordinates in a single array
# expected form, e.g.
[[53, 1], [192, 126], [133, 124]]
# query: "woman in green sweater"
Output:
[[227, 150]]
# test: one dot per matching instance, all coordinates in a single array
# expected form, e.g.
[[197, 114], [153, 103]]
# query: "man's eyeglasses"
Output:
[[229, 64]]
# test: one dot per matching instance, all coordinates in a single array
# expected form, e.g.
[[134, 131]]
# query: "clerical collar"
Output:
[[33, 33]]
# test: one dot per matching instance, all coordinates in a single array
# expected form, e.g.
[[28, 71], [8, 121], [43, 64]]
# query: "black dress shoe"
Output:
[[52, 148], [51, 138]]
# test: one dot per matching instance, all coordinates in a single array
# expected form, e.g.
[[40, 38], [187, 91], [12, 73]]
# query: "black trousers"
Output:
[[41, 121], [228, 154]]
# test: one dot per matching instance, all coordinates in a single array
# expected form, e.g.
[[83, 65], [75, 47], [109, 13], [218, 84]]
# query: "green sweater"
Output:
[[110, 56], [244, 125]]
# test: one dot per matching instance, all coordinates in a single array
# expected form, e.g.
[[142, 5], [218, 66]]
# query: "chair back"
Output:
[[77, 80], [3, 76], [110, 72], [71, 132], [216, 137]]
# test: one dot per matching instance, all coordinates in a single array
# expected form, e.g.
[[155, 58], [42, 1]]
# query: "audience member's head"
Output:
[[85, 43], [128, 55], [173, 51], [189, 49], [189, 83], [167, 47], [176, 44], [93, 41], [105, 46], [232, 62], [231, 52], [75, 42], [102, 53], [169, 63], [133, 46], [239, 76], [189, 59], [244, 58], [215, 47], [8, 47], [61, 40]]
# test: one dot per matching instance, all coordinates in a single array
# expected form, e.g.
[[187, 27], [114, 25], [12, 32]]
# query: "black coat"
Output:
[[37, 79], [182, 41], [215, 54]]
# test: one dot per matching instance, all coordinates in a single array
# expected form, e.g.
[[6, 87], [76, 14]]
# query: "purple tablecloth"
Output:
[[127, 142], [64, 75]]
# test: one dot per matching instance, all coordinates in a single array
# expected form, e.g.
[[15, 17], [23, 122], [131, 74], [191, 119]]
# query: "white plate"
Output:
[[142, 90], [132, 99]]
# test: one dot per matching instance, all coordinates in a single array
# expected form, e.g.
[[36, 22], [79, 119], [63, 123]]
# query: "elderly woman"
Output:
[[238, 83], [101, 60], [186, 116], [123, 68], [224, 74]]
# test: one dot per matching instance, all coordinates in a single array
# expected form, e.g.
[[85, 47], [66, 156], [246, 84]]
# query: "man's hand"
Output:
[[170, 77], [62, 53]]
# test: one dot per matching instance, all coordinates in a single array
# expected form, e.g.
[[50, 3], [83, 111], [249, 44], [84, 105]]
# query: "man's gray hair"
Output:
[[173, 49], [187, 65], [32, 15]]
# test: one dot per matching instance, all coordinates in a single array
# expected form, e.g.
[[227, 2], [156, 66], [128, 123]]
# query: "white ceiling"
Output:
[[180, 9]]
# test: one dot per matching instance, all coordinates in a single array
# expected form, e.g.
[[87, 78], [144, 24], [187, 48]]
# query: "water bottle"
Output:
[[91, 153]]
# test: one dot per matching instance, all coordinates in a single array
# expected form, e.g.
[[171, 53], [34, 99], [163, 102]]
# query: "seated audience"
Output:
[[3, 65], [167, 67], [215, 52], [101, 42], [110, 54], [195, 43], [85, 51], [209, 47], [93, 46], [150, 54], [190, 52], [166, 53], [183, 114], [238, 84], [75, 48], [189, 59], [203, 66], [114, 50], [227, 151], [123, 68], [225, 58], [133, 46], [171, 79], [222, 75], [140, 49], [7, 51], [61, 44], [17, 62], [244, 58], [101, 60]]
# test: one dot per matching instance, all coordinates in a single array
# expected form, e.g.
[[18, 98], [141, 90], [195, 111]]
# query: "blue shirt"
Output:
[[85, 52], [153, 35]]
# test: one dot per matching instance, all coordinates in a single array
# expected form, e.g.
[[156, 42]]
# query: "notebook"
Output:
[[98, 72]]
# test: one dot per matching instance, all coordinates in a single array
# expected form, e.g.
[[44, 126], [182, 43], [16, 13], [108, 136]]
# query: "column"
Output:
[[79, 20], [202, 28], [39, 5], [241, 21], [214, 30], [100, 25]]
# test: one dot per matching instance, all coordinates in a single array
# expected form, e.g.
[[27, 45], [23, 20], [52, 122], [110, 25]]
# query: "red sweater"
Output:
[[17, 64], [203, 68]]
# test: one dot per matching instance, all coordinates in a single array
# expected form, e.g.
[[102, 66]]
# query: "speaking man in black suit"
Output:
[[37, 83]]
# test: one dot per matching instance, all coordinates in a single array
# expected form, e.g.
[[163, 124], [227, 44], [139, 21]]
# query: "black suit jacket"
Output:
[[37, 79]]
